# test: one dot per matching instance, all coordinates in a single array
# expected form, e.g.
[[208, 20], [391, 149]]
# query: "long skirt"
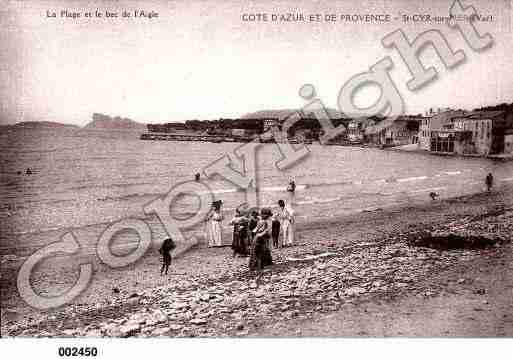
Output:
[[166, 259], [275, 233], [267, 259], [287, 230], [214, 234], [240, 242], [260, 255]]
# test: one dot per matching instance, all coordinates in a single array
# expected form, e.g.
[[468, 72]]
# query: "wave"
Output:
[[127, 196], [115, 185], [214, 192], [265, 189]]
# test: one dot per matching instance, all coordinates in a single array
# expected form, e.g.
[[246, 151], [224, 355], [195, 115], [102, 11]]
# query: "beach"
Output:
[[342, 270]]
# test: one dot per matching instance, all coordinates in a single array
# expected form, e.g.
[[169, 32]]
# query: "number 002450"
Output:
[[78, 352]]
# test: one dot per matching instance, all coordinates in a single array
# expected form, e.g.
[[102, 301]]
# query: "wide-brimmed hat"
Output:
[[266, 212], [252, 210], [217, 204], [243, 209]]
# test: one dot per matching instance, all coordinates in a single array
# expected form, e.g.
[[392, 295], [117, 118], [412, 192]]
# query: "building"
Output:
[[354, 132], [167, 127], [401, 131], [451, 141], [357, 129], [270, 122], [443, 120], [508, 141], [488, 130], [474, 133], [424, 133], [238, 132]]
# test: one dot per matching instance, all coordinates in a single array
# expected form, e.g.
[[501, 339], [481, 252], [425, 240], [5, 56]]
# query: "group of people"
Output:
[[255, 233]]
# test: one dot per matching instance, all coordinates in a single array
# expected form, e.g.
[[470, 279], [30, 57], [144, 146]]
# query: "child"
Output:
[[167, 246]]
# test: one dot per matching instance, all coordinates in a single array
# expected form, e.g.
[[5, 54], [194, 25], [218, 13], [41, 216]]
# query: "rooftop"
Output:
[[478, 115]]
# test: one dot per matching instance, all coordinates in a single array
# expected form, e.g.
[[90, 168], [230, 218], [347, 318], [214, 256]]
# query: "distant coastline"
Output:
[[39, 125], [99, 122]]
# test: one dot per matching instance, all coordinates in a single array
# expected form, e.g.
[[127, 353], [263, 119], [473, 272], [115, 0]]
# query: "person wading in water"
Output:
[[489, 182], [291, 189], [292, 186], [167, 246]]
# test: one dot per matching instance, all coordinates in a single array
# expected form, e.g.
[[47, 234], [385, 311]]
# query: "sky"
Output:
[[200, 60]]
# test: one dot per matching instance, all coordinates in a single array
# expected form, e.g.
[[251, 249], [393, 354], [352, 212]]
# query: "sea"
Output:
[[85, 177]]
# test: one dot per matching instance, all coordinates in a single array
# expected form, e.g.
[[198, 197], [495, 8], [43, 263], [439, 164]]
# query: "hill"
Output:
[[284, 113], [105, 122], [508, 107], [43, 125]]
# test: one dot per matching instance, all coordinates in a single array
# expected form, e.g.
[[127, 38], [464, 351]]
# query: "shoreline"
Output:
[[145, 198], [497, 157], [197, 268]]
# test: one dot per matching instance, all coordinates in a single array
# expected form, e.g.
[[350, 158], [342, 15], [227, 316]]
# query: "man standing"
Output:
[[167, 246], [275, 230]]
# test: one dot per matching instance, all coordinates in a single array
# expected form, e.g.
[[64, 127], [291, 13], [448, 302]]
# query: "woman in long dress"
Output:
[[252, 223], [286, 217], [214, 229], [260, 251], [240, 233]]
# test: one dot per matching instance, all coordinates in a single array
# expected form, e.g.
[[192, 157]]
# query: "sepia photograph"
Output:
[[255, 169]]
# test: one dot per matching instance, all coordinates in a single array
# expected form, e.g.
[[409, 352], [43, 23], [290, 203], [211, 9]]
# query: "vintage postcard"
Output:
[[256, 169]]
